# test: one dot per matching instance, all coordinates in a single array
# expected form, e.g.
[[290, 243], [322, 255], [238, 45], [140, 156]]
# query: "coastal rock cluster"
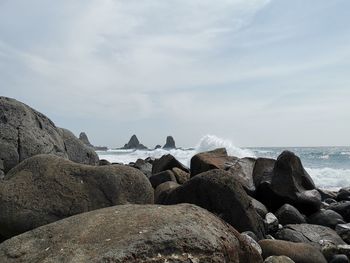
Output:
[[60, 203], [134, 144]]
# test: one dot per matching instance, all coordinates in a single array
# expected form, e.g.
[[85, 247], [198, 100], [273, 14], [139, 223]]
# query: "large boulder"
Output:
[[263, 167], [162, 177], [298, 252], [134, 144], [220, 193], [76, 150], [311, 234], [46, 188], [167, 162], [133, 233], [342, 208], [289, 183], [328, 218], [288, 214], [25, 132], [162, 191], [216, 159], [170, 143]]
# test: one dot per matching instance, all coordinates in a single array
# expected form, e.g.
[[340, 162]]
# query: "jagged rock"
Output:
[[298, 252], [153, 233], [162, 191], [325, 194], [167, 162], [47, 188], [134, 144], [289, 183], [83, 137], [25, 132], [162, 177], [288, 214], [170, 143], [328, 218], [76, 150], [220, 193], [216, 159], [311, 234]]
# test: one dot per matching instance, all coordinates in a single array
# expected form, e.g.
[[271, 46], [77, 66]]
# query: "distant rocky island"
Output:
[[134, 144], [84, 138], [60, 203]]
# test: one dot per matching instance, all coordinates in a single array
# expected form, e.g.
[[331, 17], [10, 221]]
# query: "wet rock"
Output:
[[288, 214], [167, 162], [181, 233], [218, 192], [46, 188], [328, 218], [158, 146], [170, 143], [216, 159], [162, 177], [310, 234], [298, 252]]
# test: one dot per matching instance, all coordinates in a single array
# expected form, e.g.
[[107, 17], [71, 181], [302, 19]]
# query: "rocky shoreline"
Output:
[[60, 203]]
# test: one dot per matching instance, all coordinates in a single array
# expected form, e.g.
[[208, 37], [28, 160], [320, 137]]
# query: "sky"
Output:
[[256, 72]]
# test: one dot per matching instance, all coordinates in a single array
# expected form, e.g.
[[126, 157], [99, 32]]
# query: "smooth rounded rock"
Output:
[[288, 214], [278, 259], [328, 218], [133, 233], [46, 188]]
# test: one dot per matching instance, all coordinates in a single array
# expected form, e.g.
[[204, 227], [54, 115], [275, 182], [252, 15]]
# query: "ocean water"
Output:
[[329, 167]]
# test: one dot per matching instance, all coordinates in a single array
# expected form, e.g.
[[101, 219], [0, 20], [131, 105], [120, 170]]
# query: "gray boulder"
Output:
[[25, 132], [153, 233], [162, 177], [46, 188], [167, 162], [298, 252], [312, 234], [220, 193], [278, 259], [162, 191], [288, 214], [170, 143], [342, 208], [328, 218]]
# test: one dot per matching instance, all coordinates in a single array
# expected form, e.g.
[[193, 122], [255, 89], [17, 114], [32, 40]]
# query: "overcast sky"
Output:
[[257, 72]]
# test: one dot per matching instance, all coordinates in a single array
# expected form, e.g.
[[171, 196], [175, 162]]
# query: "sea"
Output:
[[329, 167]]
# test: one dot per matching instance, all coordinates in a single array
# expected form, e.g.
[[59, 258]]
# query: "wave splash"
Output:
[[212, 142]]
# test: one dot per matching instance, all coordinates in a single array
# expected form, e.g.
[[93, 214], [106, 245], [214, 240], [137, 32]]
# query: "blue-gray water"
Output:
[[328, 166]]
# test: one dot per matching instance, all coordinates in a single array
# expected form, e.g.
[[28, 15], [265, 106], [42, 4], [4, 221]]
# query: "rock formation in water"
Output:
[[170, 143], [134, 144]]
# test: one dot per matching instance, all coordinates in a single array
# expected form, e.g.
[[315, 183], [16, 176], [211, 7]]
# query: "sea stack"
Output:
[[83, 137], [134, 144], [170, 143]]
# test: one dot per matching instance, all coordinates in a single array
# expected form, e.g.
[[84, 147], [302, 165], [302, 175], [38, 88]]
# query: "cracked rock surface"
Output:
[[25, 132]]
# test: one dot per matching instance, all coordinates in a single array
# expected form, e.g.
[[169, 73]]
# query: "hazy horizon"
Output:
[[260, 73]]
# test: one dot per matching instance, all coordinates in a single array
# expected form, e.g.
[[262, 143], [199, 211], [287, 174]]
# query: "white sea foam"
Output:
[[211, 142], [330, 178]]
